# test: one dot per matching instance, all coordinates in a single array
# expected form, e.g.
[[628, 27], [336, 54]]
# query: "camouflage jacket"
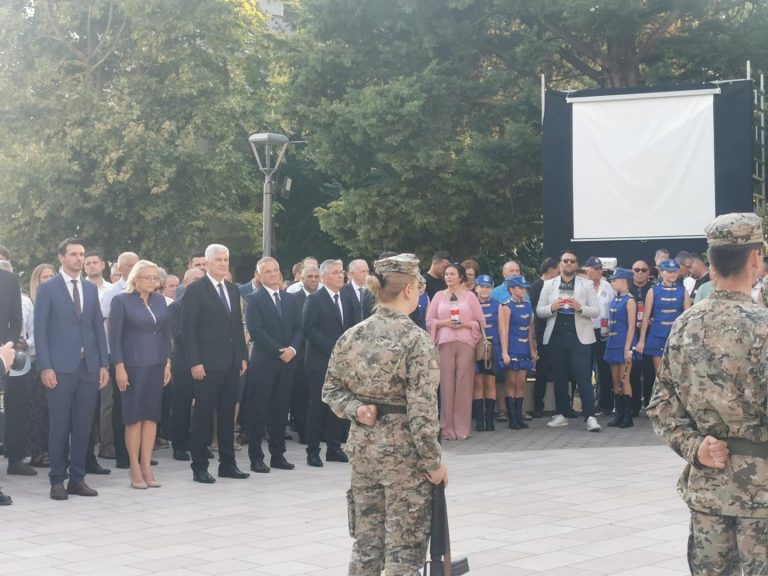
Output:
[[387, 359], [713, 381]]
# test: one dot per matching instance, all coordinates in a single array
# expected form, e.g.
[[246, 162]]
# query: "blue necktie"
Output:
[[278, 305], [224, 298]]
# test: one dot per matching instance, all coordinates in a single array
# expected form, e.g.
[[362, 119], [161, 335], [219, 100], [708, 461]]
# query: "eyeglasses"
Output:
[[639, 270], [155, 279], [569, 261]]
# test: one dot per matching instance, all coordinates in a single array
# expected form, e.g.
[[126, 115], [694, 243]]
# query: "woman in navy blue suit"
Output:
[[140, 344]]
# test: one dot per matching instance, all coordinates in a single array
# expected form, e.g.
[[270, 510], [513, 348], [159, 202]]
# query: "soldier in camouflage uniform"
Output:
[[383, 376], [710, 404]]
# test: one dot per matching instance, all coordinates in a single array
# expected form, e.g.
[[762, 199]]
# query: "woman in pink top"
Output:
[[454, 318]]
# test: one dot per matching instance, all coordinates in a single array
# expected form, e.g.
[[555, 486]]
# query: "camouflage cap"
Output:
[[735, 228], [403, 263]]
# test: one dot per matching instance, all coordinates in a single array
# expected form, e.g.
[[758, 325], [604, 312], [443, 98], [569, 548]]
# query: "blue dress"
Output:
[[618, 326], [491, 314], [668, 304], [519, 345]]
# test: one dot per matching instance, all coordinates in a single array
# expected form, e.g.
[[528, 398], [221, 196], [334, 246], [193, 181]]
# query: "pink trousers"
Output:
[[457, 370]]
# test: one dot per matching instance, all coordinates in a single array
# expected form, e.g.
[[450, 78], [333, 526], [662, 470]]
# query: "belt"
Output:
[[384, 409], [742, 447]]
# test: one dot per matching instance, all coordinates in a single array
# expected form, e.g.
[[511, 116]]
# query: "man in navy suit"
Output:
[[251, 286], [355, 291], [326, 315], [212, 327], [72, 359], [273, 319]]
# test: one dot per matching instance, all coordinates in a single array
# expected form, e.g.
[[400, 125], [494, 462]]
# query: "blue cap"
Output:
[[484, 280], [593, 262], [669, 266], [622, 274], [516, 282]]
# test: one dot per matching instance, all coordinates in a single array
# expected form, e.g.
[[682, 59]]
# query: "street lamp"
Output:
[[272, 145]]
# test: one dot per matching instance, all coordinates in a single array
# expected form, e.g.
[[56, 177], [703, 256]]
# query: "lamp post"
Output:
[[271, 144]]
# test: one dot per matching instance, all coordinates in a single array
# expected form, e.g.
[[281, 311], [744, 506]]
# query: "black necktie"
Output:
[[224, 298], [336, 305], [278, 305], [76, 298], [360, 295]]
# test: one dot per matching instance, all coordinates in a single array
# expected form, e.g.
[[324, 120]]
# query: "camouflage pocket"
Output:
[[351, 512]]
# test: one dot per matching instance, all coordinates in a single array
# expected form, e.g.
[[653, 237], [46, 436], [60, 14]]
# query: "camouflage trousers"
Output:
[[392, 510], [727, 545]]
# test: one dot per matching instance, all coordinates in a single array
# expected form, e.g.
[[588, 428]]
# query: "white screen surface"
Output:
[[643, 167]]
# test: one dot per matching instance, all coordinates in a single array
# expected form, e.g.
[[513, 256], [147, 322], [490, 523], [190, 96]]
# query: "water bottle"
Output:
[[455, 309]]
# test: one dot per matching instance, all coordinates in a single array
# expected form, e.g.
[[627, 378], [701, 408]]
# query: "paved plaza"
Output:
[[545, 502]]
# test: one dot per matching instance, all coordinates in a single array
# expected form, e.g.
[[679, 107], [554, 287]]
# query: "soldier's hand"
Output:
[[713, 453], [438, 475], [366, 414]]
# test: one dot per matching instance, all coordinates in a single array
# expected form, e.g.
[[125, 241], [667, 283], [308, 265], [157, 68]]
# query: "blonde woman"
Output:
[[140, 345]]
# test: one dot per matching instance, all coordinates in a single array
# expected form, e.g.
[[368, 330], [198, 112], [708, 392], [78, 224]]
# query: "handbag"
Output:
[[483, 350], [440, 563]]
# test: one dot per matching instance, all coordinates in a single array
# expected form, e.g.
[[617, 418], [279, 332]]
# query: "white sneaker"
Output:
[[557, 421], [592, 424]]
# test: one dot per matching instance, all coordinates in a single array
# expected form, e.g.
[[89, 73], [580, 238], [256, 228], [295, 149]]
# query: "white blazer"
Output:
[[584, 294]]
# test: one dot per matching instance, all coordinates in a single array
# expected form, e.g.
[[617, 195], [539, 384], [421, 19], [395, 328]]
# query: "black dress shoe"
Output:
[[259, 467], [152, 462], [336, 456], [80, 489], [181, 455], [203, 477], [58, 492], [571, 413], [5, 500], [314, 460], [537, 413], [21, 469], [93, 467], [208, 453], [122, 464], [232, 472], [281, 463]]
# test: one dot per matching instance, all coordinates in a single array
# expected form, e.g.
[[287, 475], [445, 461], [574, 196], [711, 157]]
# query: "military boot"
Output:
[[512, 413], [619, 413], [477, 414], [490, 404]]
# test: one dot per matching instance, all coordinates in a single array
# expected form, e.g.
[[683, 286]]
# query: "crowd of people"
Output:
[[117, 368]]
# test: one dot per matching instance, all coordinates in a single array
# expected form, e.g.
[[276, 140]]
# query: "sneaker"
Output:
[[557, 421], [592, 424]]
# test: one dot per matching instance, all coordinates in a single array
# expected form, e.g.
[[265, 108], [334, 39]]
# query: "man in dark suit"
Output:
[[183, 391], [326, 315], [354, 290], [72, 358], [10, 331], [273, 319], [212, 328], [310, 281], [251, 286]]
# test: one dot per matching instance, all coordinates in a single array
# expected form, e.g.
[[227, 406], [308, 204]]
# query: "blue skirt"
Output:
[[654, 346], [518, 362], [143, 399], [614, 355]]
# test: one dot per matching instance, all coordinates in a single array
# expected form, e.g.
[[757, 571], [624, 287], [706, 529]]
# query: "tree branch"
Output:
[[574, 41], [655, 37], [581, 66]]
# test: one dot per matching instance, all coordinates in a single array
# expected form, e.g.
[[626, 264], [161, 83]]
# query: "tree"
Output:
[[126, 123]]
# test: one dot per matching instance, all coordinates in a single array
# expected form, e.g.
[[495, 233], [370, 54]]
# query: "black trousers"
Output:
[[94, 437], [165, 424], [181, 409], [216, 393], [269, 394], [320, 417], [543, 371], [118, 427], [642, 377], [571, 358], [299, 400], [17, 393], [603, 372]]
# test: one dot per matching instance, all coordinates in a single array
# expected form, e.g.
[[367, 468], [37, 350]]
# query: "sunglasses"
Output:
[[569, 261], [639, 269]]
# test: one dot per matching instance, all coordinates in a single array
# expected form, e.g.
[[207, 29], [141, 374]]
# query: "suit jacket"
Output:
[[268, 330], [10, 307], [179, 359], [60, 336], [322, 327], [246, 289], [135, 338], [584, 293], [349, 291], [212, 336]]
